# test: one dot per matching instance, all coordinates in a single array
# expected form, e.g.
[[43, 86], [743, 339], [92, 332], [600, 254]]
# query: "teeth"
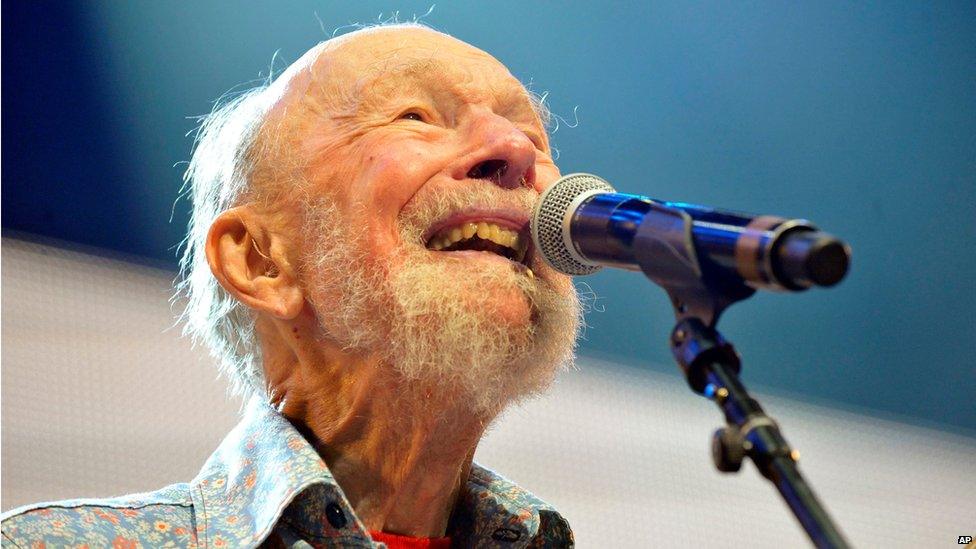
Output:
[[512, 240], [485, 230]]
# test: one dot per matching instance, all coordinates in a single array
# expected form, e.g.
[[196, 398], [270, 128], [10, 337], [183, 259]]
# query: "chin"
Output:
[[497, 293], [484, 333], [512, 309]]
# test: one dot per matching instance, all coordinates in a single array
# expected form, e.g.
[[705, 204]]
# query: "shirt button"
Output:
[[335, 516]]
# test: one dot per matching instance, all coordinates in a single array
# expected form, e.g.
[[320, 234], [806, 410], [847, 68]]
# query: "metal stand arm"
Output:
[[711, 366]]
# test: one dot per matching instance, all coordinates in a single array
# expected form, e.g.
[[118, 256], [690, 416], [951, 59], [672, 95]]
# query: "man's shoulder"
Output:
[[163, 518]]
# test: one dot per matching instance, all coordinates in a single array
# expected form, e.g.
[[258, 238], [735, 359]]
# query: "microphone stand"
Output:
[[665, 250], [711, 366]]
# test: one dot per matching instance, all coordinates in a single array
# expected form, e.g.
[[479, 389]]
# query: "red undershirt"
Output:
[[394, 541]]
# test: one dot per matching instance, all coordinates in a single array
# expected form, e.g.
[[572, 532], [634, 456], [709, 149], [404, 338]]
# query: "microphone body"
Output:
[[600, 227]]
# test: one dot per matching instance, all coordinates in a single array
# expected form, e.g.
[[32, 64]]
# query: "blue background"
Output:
[[860, 117]]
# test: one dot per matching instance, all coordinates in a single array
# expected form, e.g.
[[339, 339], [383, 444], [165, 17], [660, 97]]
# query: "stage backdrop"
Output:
[[860, 117]]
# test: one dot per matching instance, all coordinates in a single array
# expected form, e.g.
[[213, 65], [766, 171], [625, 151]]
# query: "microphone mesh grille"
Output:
[[548, 221]]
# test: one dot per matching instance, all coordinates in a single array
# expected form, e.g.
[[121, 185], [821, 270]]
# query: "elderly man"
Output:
[[358, 259]]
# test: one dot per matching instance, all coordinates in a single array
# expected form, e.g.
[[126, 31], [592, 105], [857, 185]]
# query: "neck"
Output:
[[401, 451]]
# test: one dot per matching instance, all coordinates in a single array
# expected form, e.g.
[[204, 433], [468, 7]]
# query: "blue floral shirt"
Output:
[[265, 485]]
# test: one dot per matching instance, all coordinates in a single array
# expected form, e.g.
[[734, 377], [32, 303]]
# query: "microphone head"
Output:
[[551, 221]]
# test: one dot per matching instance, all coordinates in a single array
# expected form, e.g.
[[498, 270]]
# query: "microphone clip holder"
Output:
[[665, 250], [666, 254]]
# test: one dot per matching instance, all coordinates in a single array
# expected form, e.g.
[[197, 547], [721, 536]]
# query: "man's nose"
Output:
[[505, 156]]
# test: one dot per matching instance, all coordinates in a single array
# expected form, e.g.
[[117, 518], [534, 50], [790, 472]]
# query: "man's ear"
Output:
[[250, 262]]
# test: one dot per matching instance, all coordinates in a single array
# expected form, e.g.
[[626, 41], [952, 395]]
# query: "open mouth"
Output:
[[483, 236]]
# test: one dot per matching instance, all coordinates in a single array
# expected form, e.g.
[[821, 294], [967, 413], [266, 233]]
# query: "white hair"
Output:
[[225, 156]]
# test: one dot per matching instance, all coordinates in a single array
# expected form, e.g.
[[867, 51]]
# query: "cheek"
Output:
[[395, 173], [546, 173], [391, 175]]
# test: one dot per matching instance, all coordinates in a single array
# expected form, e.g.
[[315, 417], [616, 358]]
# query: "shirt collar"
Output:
[[495, 512], [265, 472]]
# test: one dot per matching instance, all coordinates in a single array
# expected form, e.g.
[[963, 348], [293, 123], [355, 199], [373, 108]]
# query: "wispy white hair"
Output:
[[227, 154]]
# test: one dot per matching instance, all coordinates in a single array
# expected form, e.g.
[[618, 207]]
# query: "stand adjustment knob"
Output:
[[727, 450]]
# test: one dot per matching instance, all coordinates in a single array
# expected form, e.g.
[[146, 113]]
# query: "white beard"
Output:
[[434, 319]]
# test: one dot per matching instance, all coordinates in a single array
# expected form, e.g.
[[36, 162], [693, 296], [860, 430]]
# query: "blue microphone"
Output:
[[581, 224]]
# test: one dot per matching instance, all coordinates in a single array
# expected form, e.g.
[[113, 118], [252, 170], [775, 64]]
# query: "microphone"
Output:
[[581, 224]]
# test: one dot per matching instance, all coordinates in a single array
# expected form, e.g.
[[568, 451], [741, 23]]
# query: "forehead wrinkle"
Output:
[[383, 82], [384, 79]]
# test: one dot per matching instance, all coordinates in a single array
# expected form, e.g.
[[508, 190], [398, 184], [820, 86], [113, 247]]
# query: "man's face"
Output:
[[424, 157]]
